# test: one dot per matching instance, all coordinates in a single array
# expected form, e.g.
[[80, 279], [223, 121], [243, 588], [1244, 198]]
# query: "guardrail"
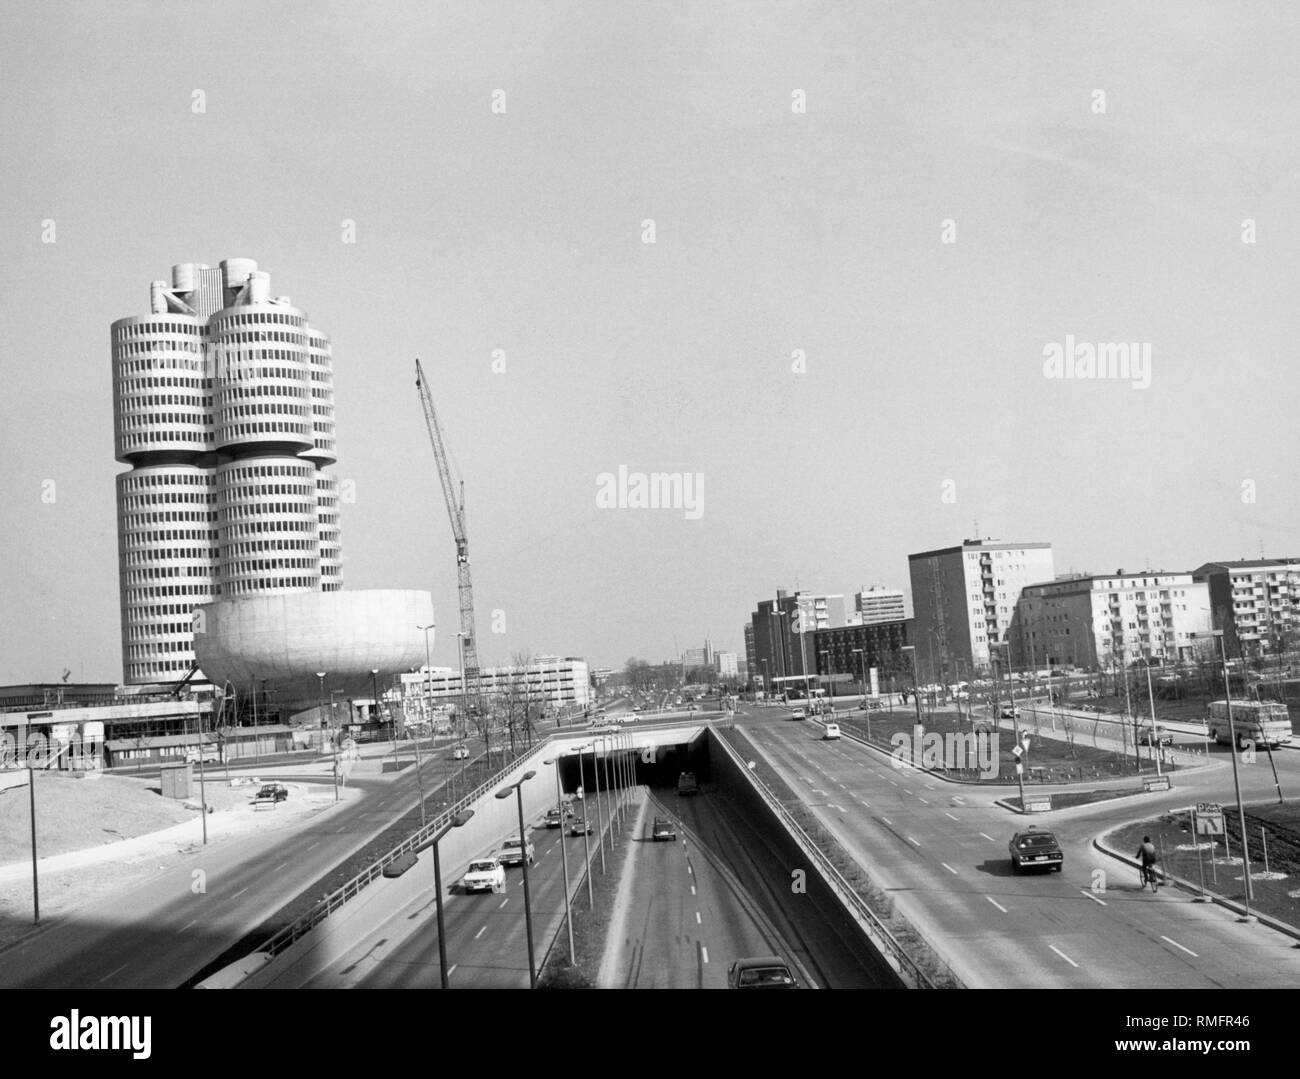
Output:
[[332, 902], [893, 951]]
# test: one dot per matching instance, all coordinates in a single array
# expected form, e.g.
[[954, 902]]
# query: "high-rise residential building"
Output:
[[1096, 620], [725, 664], [1255, 602], [963, 600], [748, 657], [782, 635], [223, 407], [875, 605]]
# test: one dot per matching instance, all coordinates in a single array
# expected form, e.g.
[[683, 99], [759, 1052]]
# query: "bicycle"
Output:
[[1150, 876]]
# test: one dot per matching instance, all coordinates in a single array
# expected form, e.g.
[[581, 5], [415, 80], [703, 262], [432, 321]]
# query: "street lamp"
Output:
[[1236, 778], [1015, 721], [334, 741], [428, 677], [564, 856], [458, 820], [916, 681], [517, 788], [586, 839]]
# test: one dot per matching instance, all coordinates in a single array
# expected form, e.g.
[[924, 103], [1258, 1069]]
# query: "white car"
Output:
[[460, 753], [798, 713], [832, 731], [484, 875]]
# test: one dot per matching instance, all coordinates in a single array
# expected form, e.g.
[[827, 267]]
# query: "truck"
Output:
[[1265, 723]]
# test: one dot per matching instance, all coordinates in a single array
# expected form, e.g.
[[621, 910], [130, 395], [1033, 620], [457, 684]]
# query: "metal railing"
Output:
[[904, 965], [336, 899]]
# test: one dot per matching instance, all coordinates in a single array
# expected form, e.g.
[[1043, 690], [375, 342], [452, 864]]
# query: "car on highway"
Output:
[[1036, 849], [484, 875], [832, 731], [554, 818], [1008, 712], [273, 792], [663, 829], [513, 852], [798, 713], [460, 753], [580, 826], [687, 783], [761, 972], [1146, 737]]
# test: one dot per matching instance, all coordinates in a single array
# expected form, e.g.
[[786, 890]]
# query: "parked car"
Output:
[[1035, 849], [761, 972], [208, 755], [663, 829], [580, 826], [484, 875], [1008, 712], [513, 852], [832, 731], [273, 792], [460, 753]]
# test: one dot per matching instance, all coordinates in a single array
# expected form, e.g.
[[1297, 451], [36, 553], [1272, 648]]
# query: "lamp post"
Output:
[[428, 678], [827, 656], [505, 792], [334, 738], [916, 681], [464, 693], [586, 839], [457, 821], [600, 838], [564, 856], [1236, 778], [1015, 722]]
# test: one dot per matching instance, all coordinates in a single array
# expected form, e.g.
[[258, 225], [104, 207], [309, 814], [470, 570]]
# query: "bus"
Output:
[[1266, 723]]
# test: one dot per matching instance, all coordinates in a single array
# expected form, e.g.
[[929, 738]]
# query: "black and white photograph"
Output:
[[650, 495]]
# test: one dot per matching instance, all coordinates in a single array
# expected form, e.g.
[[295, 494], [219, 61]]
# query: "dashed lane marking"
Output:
[[988, 837], [1092, 897], [1177, 945], [1063, 955], [948, 815], [996, 903], [480, 932], [913, 841]]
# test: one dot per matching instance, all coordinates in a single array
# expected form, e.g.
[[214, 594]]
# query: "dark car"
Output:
[[663, 829], [686, 784], [1035, 849], [273, 792], [761, 972], [580, 826], [1146, 737], [554, 818]]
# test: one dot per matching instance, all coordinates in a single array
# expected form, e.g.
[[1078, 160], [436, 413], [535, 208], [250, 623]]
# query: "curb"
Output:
[[1186, 885]]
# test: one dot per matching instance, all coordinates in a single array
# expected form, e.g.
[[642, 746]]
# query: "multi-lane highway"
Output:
[[940, 850], [160, 933]]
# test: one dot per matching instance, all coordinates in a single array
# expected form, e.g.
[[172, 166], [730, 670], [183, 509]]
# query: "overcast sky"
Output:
[[920, 406]]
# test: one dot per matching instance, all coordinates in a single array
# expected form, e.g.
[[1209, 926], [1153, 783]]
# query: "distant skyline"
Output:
[[879, 233]]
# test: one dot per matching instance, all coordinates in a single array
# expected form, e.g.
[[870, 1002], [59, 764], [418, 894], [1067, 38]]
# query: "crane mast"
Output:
[[456, 512]]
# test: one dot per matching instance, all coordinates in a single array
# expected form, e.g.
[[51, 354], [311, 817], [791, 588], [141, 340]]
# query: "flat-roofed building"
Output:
[[1096, 620], [1256, 602]]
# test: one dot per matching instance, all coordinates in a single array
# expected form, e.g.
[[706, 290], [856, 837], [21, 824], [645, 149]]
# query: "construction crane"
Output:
[[456, 511]]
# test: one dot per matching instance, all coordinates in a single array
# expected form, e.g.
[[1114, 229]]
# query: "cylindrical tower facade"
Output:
[[223, 407]]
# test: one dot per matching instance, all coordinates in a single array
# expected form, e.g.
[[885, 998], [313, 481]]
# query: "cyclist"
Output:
[[1146, 853]]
